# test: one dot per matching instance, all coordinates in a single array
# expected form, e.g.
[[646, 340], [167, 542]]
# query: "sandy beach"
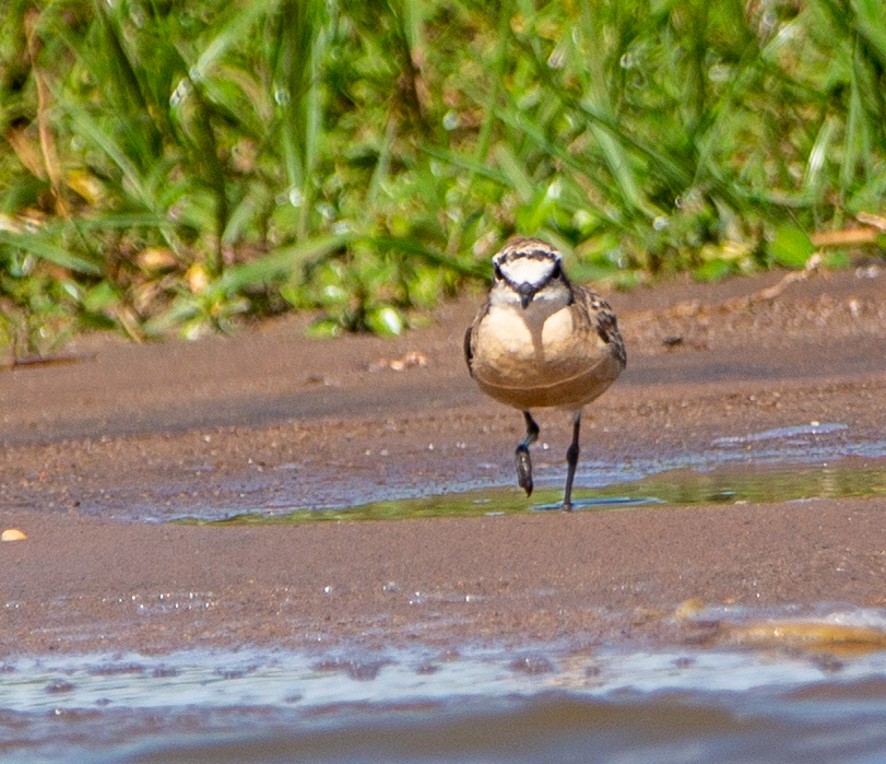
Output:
[[112, 439]]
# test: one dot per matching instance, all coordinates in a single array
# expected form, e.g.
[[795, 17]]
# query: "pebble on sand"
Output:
[[12, 534]]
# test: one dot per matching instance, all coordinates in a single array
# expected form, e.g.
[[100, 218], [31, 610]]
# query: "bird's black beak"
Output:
[[526, 292]]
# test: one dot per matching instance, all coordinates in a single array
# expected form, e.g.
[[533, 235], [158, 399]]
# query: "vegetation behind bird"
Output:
[[171, 166]]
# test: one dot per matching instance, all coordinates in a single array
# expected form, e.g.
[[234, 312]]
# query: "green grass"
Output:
[[179, 167]]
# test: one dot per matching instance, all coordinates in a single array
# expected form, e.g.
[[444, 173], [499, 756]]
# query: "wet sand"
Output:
[[97, 450]]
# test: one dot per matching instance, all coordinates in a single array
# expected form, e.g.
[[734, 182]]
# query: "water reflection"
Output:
[[727, 484]]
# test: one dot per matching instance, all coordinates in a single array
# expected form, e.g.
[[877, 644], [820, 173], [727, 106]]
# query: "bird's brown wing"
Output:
[[469, 351], [469, 336], [596, 314]]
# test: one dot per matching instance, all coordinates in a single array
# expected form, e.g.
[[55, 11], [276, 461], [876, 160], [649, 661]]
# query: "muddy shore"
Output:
[[98, 449]]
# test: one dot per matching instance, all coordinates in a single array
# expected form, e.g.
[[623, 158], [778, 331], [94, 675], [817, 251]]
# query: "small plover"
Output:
[[541, 341]]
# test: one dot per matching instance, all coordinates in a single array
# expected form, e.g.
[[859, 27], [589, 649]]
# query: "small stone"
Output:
[[689, 609], [12, 534]]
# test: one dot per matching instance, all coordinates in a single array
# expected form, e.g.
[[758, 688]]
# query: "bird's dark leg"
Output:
[[524, 464], [571, 462]]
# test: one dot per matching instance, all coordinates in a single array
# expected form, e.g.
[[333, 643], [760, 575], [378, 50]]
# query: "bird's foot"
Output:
[[524, 469]]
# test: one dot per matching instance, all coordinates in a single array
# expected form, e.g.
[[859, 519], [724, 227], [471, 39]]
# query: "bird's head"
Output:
[[527, 270]]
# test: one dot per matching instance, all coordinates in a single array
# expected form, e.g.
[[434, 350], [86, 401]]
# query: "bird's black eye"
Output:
[[557, 272], [497, 270]]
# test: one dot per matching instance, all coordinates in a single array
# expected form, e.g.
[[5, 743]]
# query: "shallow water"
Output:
[[732, 484], [551, 702], [803, 461]]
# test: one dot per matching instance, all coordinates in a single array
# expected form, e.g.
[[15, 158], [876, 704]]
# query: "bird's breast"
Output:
[[511, 336], [537, 357]]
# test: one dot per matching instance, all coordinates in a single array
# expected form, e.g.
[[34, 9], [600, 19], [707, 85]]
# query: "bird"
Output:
[[540, 341]]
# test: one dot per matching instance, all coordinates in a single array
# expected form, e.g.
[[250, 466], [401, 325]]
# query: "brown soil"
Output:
[[268, 420]]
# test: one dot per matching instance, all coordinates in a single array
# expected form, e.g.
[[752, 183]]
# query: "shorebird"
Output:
[[541, 341]]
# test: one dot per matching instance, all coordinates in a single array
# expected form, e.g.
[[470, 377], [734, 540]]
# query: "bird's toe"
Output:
[[524, 470]]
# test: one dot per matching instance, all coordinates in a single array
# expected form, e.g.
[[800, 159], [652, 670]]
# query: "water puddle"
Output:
[[796, 434], [765, 700], [732, 484]]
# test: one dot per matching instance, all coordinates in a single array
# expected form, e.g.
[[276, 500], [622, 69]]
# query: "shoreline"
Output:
[[268, 419]]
